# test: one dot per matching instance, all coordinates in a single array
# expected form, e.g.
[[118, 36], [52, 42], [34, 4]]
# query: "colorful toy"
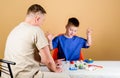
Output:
[[72, 66], [81, 64], [89, 60]]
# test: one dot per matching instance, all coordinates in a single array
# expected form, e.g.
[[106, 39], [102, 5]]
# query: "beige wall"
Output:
[[103, 16]]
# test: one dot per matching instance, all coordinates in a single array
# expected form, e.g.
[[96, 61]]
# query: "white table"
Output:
[[111, 69]]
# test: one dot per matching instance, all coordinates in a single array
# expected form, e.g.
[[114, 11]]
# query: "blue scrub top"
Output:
[[69, 48]]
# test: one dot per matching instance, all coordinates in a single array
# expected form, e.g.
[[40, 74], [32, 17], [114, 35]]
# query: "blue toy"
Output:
[[89, 60]]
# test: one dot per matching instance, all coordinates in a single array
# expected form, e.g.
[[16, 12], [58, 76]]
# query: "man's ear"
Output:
[[37, 18]]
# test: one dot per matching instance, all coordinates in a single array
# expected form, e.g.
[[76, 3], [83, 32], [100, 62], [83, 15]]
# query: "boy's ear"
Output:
[[66, 26]]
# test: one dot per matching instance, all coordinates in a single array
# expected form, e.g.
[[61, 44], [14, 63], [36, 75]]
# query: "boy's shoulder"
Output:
[[78, 37], [59, 36]]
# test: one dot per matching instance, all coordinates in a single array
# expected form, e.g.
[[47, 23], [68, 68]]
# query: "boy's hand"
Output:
[[49, 36], [89, 31]]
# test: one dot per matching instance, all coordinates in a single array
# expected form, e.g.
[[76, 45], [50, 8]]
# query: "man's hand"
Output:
[[58, 69], [59, 64]]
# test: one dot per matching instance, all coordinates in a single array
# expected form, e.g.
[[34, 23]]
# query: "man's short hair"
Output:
[[73, 21], [36, 8]]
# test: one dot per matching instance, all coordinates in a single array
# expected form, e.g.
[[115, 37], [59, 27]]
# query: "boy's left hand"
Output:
[[89, 31]]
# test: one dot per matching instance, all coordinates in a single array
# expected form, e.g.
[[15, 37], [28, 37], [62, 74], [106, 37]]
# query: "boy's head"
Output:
[[36, 12], [72, 26]]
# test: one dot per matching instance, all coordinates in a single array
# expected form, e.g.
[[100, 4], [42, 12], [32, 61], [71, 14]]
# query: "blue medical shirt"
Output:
[[69, 48]]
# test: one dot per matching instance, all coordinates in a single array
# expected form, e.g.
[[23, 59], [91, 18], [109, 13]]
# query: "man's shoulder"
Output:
[[31, 27]]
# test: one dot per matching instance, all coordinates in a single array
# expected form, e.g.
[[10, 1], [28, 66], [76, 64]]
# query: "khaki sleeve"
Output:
[[40, 39]]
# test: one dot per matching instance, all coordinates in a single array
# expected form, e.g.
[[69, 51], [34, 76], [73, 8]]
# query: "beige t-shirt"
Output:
[[21, 44]]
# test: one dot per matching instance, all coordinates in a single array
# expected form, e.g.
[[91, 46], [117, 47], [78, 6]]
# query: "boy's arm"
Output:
[[89, 39], [50, 38], [50, 45]]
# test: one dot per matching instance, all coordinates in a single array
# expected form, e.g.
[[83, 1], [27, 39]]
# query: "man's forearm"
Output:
[[49, 62], [51, 66]]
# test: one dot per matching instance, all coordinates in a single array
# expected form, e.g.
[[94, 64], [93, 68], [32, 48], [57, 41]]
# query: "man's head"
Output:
[[36, 13], [72, 26]]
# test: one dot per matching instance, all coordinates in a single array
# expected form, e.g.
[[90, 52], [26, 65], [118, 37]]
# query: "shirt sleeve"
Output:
[[55, 42], [85, 44], [40, 39]]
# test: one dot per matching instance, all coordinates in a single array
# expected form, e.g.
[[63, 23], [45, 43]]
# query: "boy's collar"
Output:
[[67, 36]]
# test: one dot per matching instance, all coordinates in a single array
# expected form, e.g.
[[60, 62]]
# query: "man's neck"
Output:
[[30, 20]]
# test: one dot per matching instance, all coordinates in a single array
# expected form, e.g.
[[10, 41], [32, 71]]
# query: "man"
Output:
[[26, 42], [69, 45]]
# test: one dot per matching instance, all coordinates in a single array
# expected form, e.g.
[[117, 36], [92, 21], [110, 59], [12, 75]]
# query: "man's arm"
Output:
[[89, 39], [47, 59]]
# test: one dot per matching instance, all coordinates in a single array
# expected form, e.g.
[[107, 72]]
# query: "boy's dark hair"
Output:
[[73, 21], [36, 8]]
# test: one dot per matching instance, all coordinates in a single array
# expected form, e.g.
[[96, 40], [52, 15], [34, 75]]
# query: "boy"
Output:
[[69, 45]]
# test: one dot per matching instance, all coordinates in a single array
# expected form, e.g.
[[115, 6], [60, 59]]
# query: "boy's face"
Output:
[[71, 30]]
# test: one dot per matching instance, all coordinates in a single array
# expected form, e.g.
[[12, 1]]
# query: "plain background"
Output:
[[103, 16]]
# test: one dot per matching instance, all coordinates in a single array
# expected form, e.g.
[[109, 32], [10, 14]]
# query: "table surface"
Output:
[[111, 69]]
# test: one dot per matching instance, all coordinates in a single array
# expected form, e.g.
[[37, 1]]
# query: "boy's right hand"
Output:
[[49, 36]]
